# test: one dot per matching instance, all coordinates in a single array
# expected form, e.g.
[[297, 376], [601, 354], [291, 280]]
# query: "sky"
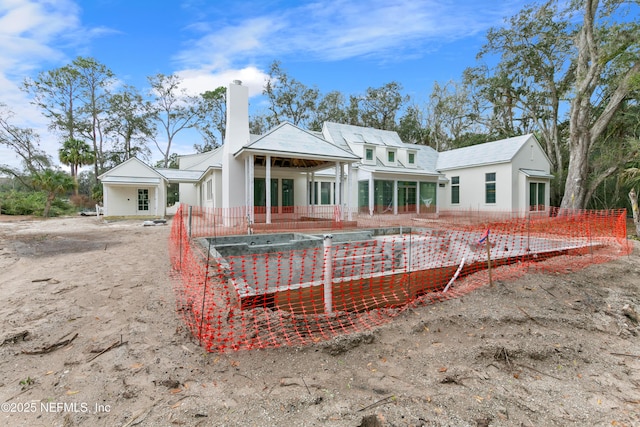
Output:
[[342, 45]]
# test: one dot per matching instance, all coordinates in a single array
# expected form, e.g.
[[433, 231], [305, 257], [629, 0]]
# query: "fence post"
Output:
[[189, 221], [328, 274]]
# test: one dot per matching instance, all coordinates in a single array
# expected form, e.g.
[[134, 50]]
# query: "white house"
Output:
[[362, 170]]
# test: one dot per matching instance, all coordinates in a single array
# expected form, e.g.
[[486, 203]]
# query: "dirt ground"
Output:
[[90, 337]]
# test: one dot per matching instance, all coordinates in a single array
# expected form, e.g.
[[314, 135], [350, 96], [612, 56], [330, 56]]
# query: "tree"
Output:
[[452, 113], [172, 109], [413, 128], [213, 119], [130, 124], [76, 153], [550, 63], [57, 92], [24, 143], [331, 108], [379, 106], [73, 97], [607, 70], [289, 100], [527, 87], [95, 78], [54, 183]]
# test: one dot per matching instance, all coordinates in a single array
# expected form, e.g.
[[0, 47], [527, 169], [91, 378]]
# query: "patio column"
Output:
[[268, 189], [418, 199], [371, 194], [313, 190], [349, 192], [250, 190], [336, 192], [395, 197], [156, 201]]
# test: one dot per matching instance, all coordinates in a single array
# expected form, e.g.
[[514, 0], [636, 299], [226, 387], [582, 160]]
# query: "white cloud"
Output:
[[340, 29], [33, 36]]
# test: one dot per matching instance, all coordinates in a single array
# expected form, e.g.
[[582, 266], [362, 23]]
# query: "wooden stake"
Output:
[[489, 259]]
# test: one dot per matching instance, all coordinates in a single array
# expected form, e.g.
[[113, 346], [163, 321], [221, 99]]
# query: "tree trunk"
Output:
[[575, 188], [634, 207]]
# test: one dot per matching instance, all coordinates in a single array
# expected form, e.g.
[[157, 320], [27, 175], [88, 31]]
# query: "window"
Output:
[[368, 154], [412, 158], [260, 194], [455, 190], [325, 193], [536, 196], [383, 196], [391, 156], [209, 189], [490, 187], [363, 196], [427, 197], [143, 199]]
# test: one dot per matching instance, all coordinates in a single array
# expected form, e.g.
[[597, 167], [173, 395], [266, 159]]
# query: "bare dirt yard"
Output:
[[90, 336]]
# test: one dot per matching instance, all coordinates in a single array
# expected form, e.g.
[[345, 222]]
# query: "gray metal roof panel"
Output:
[[289, 139], [501, 151]]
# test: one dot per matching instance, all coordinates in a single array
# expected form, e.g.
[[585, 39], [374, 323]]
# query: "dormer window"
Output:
[[411, 158], [368, 154], [391, 156]]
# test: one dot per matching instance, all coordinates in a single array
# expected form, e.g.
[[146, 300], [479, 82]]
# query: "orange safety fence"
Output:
[[305, 276]]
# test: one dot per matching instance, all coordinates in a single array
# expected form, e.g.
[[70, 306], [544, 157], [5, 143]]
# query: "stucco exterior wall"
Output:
[[473, 188]]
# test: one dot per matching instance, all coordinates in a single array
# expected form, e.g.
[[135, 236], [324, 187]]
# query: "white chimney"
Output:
[[237, 136]]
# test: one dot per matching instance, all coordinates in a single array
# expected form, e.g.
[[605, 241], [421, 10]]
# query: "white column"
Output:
[[418, 198], [313, 190], [336, 192], [268, 189], [395, 197], [349, 190], [371, 194], [251, 189], [156, 201]]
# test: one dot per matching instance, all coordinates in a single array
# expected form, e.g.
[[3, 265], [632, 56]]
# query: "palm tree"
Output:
[[75, 153], [53, 183]]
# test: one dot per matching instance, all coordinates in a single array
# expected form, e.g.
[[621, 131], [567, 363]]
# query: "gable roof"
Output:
[[279, 141], [501, 151], [133, 171]]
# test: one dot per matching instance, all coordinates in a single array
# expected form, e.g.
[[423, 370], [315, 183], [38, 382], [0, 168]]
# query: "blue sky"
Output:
[[341, 45]]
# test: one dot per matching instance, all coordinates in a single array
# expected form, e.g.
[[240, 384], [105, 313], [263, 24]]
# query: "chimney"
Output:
[[237, 136], [237, 131]]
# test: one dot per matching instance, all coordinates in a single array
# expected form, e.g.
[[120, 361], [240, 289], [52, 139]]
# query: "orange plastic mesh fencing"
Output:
[[242, 286]]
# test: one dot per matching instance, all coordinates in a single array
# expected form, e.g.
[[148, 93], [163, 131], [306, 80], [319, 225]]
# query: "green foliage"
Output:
[[22, 203], [15, 202]]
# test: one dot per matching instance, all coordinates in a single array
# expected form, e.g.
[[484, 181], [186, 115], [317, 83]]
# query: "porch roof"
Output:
[[292, 147]]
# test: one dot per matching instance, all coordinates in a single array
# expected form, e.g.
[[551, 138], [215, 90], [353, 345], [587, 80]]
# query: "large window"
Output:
[[455, 190], [363, 196], [536, 196], [407, 192], [383, 196], [490, 187], [260, 195], [428, 197], [287, 195], [143, 199], [325, 193]]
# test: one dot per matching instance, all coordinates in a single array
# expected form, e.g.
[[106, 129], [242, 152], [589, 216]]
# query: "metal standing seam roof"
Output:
[[476, 155], [181, 175], [289, 140], [341, 134]]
